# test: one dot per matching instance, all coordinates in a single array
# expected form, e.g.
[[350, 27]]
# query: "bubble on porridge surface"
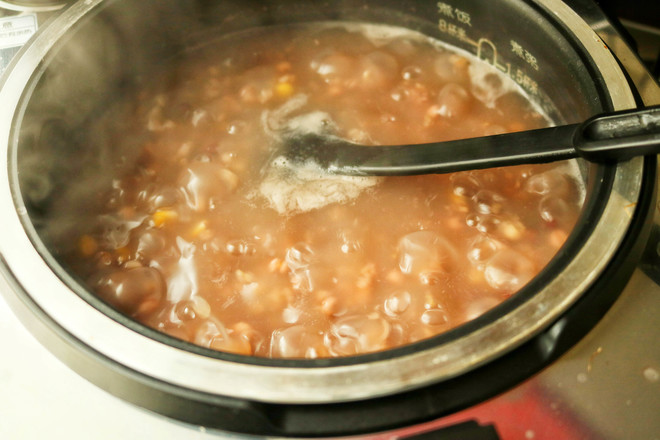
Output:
[[294, 188], [398, 334], [488, 86], [204, 181], [358, 334], [453, 101], [488, 202], [117, 230], [127, 289], [486, 224], [378, 70], [150, 243], [163, 197], [561, 180], [296, 342], [480, 306], [509, 270], [397, 303], [208, 330], [233, 342], [482, 249], [553, 181], [553, 209], [464, 184], [181, 312], [299, 259], [333, 66], [435, 316], [449, 66], [424, 251]]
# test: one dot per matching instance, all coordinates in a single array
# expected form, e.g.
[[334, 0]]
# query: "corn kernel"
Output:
[[163, 216], [87, 245], [284, 89], [198, 228]]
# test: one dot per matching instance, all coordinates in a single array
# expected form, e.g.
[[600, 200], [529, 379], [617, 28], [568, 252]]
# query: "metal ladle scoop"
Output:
[[608, 137]]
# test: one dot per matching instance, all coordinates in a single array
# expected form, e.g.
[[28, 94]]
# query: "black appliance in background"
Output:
[[639, 21], [646, 12]]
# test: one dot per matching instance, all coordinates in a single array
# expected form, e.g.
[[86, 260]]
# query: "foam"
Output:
[[292, 188]]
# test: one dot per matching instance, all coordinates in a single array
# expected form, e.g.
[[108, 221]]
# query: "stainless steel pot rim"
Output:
[[294, 384]]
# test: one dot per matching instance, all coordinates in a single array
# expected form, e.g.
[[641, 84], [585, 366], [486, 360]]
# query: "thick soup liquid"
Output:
[[212, 239]]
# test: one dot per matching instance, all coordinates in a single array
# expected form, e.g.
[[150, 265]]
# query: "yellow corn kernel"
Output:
[[284, 89], [87, 245], [163, 216], [199, 228]]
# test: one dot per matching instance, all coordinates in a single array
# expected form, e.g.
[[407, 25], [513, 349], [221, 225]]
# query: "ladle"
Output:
[[608, 137]]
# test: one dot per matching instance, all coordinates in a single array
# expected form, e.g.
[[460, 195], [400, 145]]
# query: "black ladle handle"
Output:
[[619, 136], [608, 137]]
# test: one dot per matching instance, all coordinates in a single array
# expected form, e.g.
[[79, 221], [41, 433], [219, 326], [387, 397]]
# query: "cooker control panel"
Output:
[[15, 31]]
